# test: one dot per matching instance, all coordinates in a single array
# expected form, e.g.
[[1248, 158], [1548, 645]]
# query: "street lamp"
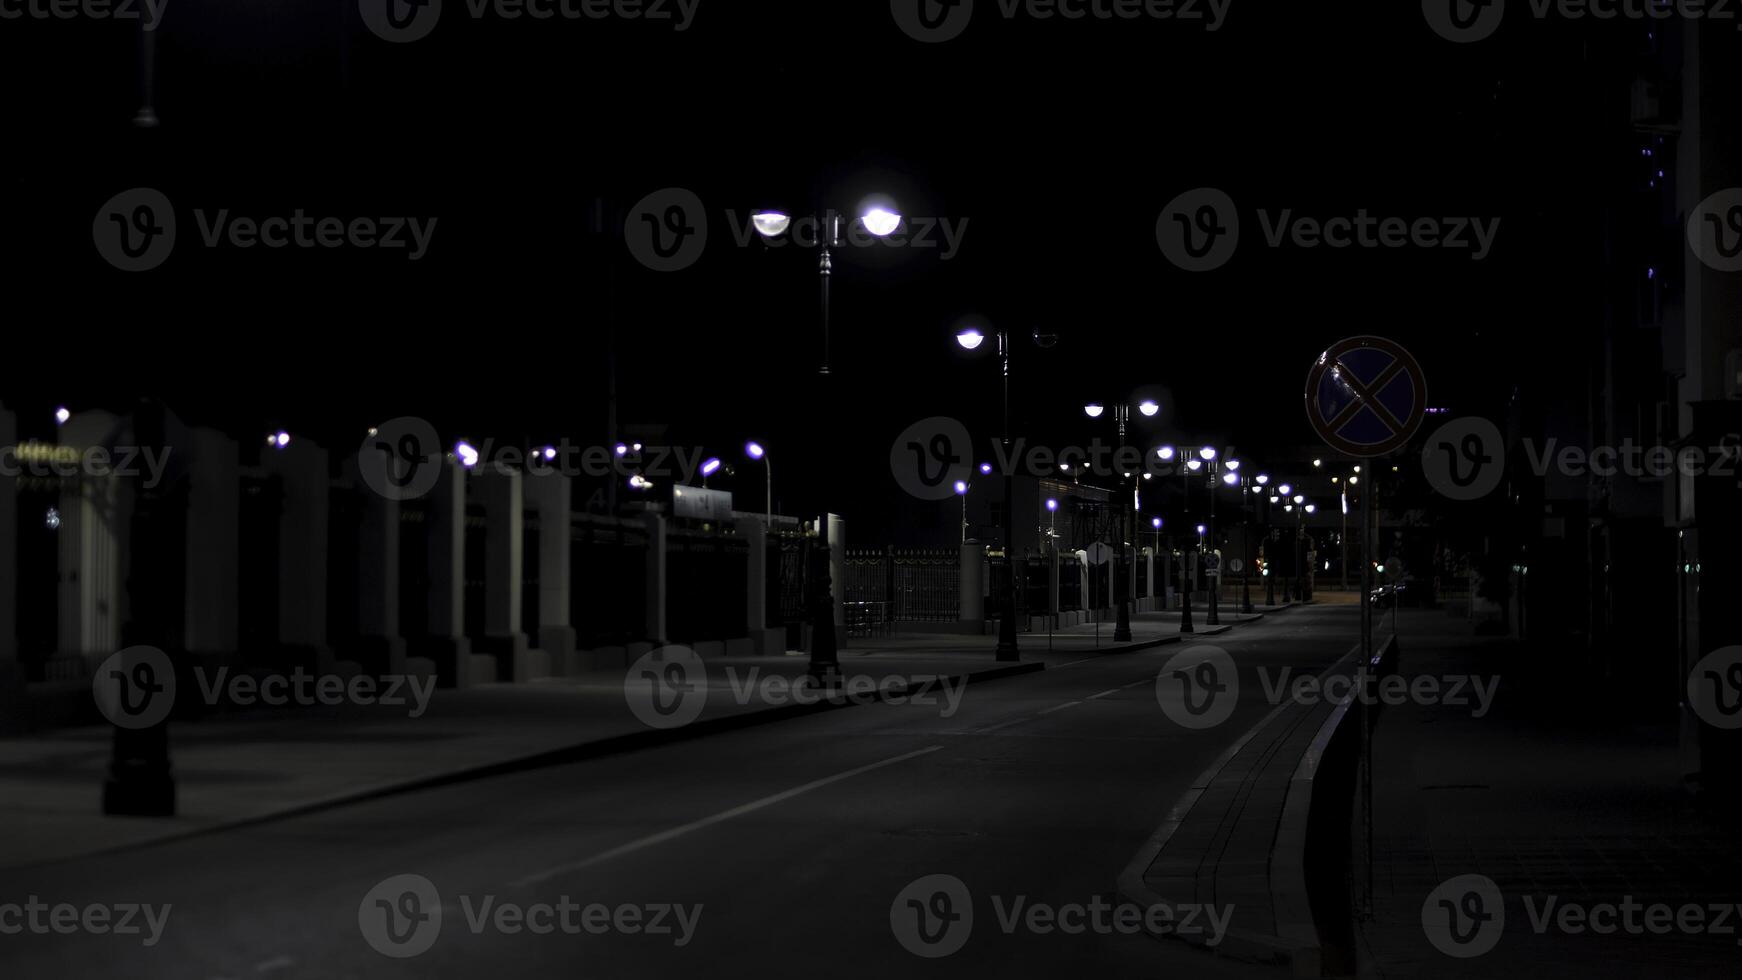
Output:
[[1128, 528], [1148, 407], [755, 450], [962, 492], [878, 220], [970, 338]]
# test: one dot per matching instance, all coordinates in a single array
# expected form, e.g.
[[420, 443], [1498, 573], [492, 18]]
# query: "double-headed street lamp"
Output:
[[879, 220], [771, 224], [970, 338], [1148, 408]]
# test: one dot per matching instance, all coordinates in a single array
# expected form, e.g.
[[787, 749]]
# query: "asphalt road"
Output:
[[794, 839]]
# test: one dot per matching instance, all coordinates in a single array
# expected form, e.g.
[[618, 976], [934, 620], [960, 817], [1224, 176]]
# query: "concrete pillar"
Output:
[[1149, 578], [838, 570], [447, 644], [94, 514], [379, 646], [504, 552], [655, 578], [301, 468], [763, 640], [214, 520], [1052, 582], [1088, 607], [973, 584], [11, 670], [549, 492]]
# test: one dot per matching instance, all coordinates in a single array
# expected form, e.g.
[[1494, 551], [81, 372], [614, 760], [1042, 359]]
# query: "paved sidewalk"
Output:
[[242, 766], [1557, 791]]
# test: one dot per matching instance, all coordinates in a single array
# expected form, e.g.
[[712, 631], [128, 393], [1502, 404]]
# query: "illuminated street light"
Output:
[[755, 450], [1148, 408], [970, 339], [1232, 464], [1285, 489], [278, 440], [61, 415], [467, 455], [1093, 410], [961, 487], [880, 221], [771, 224], [1165, 452], [1230, 478], [711, 467], [1208, 453], [985, 469], [1263, 479], [1194, 465]]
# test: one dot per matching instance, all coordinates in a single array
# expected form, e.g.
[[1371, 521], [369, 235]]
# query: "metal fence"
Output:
[[915, 586]]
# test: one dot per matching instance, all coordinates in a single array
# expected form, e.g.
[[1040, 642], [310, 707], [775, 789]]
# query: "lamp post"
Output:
[[754, 450], [961, 489], [771, 224], [970, 338], [1128, 527]]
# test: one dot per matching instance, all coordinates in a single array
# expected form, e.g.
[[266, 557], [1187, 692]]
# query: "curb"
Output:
[[1297, 943], [646, 738]]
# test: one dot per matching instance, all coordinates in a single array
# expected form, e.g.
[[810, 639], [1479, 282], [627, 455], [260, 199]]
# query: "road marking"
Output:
[[1135, 683], [1075, 662], [1103, 694], [1057, 707], [721, 817], [268, 966]]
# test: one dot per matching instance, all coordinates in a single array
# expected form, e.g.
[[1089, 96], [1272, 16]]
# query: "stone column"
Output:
[[447, 643], [380, 644], [838, 572], [1149, 578], [972, 599], [94, 515], [655, 578], [549, 492], [1052, 582], [762, 640], [301, 468], [214, 519], [504, 551]]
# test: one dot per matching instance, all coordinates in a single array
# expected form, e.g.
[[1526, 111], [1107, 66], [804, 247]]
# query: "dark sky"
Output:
[[1059, 142]]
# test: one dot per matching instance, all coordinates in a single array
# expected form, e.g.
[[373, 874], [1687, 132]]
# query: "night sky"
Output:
[[1059, 142]]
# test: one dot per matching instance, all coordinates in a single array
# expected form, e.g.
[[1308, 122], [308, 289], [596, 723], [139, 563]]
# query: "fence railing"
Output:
[[915, 586]]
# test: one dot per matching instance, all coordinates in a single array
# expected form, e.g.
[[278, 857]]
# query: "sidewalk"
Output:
[[1556, 791], [237, 767]]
